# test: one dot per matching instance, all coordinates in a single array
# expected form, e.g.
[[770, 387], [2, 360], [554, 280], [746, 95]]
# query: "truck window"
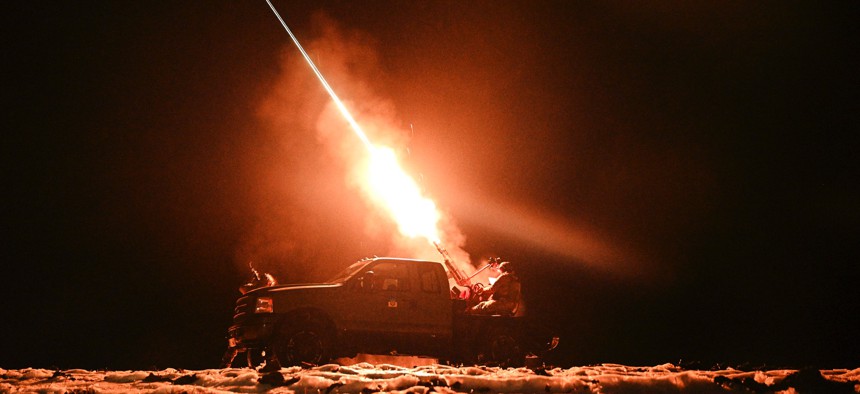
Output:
[[390, 276], [429, 279]]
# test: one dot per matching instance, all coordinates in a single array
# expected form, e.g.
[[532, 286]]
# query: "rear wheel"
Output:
[[503, 348]]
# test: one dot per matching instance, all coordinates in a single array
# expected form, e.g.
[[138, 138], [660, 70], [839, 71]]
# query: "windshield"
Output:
[[349, 271]]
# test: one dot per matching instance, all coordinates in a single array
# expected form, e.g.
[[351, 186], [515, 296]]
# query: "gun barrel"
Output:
[[449, 263], [480, 270]]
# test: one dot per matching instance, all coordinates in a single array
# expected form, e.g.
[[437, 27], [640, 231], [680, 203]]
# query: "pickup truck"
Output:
[[375, 306]]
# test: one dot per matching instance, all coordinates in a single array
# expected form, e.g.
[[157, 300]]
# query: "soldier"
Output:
[[504, 294], [257, 280]]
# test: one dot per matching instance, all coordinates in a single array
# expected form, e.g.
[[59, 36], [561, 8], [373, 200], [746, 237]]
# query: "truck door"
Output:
[[380, 304], [399, 305], [428, 305]]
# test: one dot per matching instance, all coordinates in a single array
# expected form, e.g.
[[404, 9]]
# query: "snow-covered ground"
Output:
[[365, 377]]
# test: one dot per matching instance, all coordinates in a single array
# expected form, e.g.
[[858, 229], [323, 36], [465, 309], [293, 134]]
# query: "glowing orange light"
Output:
[[389, 185], [415, 215]]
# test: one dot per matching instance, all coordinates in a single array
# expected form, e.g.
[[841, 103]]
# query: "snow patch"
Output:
[[365, 377]]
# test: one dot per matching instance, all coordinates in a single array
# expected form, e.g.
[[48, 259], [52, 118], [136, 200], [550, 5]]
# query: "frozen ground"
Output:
[[365, 377]]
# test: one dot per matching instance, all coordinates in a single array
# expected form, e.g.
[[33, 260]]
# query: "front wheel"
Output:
[[301, 345]]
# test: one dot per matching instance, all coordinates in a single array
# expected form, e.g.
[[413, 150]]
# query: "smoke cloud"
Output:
[[312, 217]]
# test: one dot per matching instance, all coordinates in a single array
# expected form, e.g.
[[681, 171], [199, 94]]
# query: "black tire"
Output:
[[304, 344], [503, 348]]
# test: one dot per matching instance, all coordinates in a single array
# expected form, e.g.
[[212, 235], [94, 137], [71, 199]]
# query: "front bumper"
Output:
[[254, 332]]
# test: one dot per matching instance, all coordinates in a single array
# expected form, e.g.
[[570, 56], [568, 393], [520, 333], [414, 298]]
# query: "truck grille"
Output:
[[244, 309]]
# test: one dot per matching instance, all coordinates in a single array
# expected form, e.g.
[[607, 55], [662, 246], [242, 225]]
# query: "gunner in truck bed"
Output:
[[504, 294]]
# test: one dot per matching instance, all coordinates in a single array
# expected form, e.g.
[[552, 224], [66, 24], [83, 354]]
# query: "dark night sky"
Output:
[[711, 145]]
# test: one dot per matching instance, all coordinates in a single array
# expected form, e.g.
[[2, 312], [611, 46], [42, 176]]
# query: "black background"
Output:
[[713, 143]]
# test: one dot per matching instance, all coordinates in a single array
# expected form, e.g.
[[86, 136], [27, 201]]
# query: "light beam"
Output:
[[340, 106], [390, 186]]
